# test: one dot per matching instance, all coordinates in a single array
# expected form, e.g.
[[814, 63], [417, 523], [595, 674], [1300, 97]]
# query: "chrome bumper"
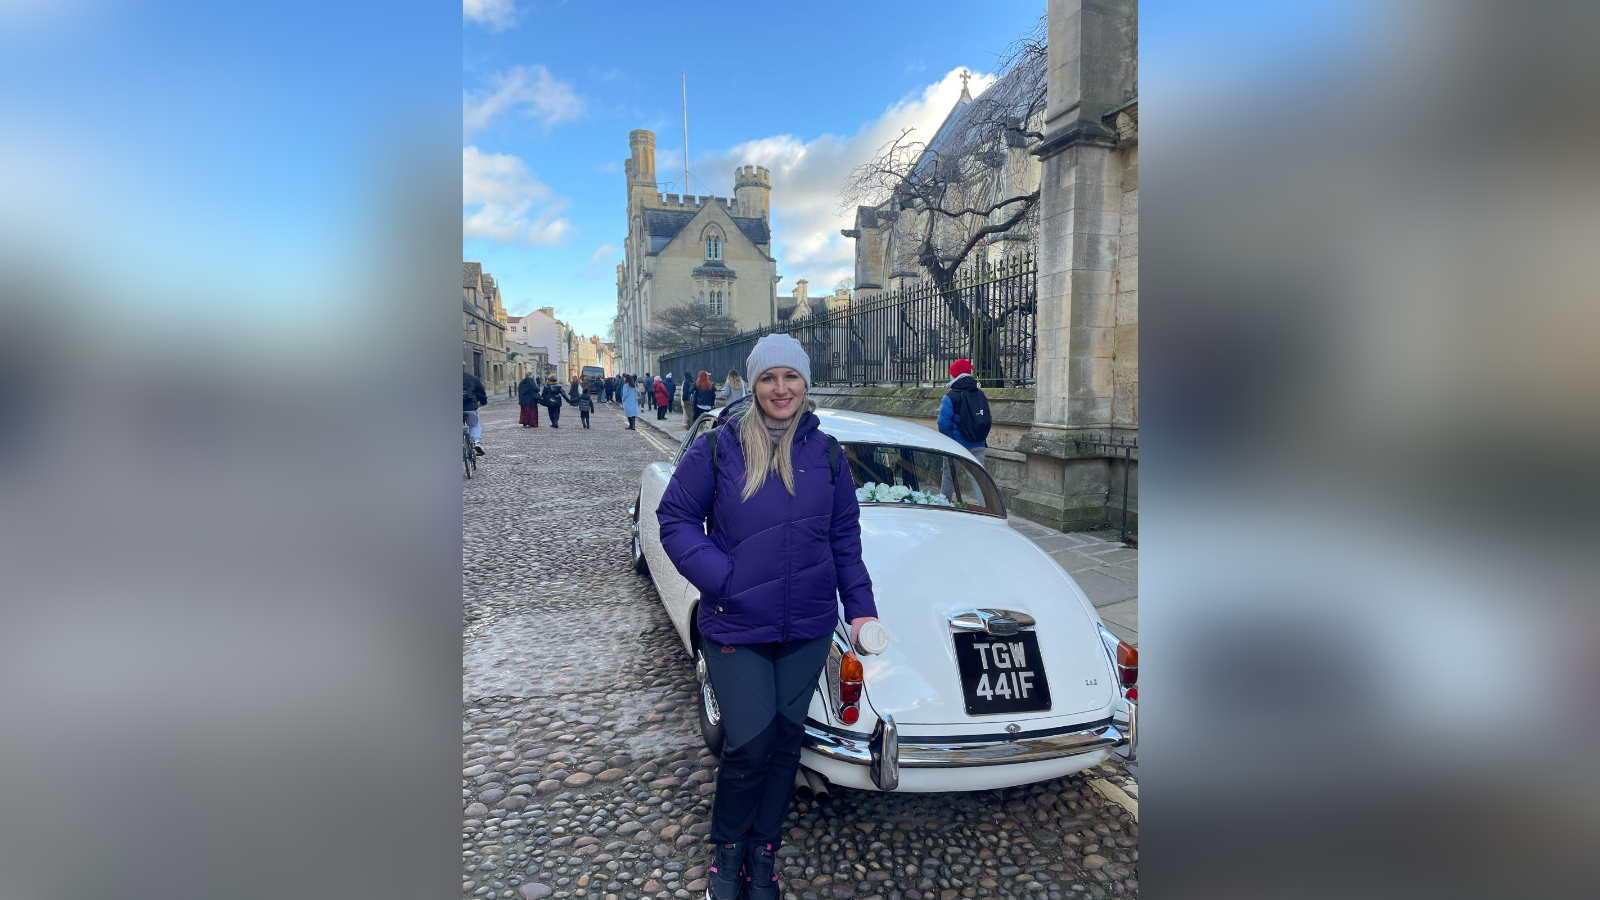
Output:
[[887, 754]]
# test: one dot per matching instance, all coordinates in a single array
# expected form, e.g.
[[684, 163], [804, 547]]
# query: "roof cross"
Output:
[[964, 76]]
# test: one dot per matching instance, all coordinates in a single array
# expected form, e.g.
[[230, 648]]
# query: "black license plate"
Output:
[[1001, 674]]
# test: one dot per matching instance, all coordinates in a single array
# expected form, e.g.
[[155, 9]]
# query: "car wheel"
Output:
[[640, 565], [710, 712]]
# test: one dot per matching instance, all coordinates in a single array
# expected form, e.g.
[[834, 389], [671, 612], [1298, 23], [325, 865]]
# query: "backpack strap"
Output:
[[833, 460]]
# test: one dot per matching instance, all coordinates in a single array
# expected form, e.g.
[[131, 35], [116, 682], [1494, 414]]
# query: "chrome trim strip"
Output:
[[1129, 748], [1000, 622], [915, 755]]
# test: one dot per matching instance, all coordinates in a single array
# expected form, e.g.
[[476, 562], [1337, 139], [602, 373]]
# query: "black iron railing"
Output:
[[987, 314], [1113, 446]]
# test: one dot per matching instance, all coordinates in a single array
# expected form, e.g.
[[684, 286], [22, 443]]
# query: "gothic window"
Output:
[[718, 307], [713, 246]]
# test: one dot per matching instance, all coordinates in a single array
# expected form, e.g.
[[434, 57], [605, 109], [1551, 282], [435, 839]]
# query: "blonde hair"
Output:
[[761, 456], [734, 379]]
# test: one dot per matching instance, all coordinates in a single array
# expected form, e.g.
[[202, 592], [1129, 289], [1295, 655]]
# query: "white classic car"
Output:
[[999, 671]]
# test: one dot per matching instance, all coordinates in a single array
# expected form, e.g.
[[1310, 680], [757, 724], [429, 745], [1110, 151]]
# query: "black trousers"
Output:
[[661, 413], [585, 418], [763, 691], [555, 416]]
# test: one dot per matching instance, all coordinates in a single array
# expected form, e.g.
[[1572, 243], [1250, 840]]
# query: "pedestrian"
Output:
[[688, 399], [552, 399], [733, 389], [630, 400], [473, 396], [672, 390], [649, 390], [528, 399], [769, 604], [704, 396], [585, 406], [578, 386], [964, 418], [593, 389], [663, 395]]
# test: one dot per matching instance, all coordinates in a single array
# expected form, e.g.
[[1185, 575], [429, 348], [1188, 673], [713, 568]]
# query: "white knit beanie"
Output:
[[776, 350]]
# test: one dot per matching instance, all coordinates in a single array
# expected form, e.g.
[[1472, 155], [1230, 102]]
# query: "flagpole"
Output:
[[687, 191]]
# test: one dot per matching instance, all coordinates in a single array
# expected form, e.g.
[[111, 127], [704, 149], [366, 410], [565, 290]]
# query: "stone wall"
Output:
[[1027, 474]]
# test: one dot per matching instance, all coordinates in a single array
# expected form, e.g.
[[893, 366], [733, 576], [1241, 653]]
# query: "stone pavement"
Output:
[[1106, 569], [583, 774]]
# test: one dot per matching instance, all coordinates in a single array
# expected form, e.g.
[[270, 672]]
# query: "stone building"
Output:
[[982, 149], [541, 328], [1085, 239], [800, 305], [483, 328], [713, 251]]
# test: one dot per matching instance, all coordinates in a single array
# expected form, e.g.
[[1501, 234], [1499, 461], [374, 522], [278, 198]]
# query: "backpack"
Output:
[[711, 444], [972, 411]]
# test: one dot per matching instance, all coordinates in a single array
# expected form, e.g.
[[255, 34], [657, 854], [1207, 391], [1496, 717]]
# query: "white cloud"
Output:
[[497, 14], [532, 89], [606, 168], [601, 263], [808, 176], [503, 201]]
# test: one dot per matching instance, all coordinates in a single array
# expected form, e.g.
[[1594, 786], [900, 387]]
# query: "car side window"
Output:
[[700, 427]]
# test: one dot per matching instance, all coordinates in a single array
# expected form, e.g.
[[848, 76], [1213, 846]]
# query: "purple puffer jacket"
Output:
[[773, 568]]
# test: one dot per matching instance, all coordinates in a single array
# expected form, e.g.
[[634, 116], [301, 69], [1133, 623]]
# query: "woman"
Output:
[[704, 396], [663, 400], [630, 400], [528, 399], [732, 389], [688, 399], [785, 541]]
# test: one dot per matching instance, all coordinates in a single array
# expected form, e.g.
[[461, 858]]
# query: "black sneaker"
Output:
[[477, 449], [727, 870], [762, 879]]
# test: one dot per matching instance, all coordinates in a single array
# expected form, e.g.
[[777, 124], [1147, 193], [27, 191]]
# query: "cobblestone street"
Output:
[[583, 772]]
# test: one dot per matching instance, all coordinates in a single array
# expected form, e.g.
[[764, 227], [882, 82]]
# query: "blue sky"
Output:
[[551, 90]]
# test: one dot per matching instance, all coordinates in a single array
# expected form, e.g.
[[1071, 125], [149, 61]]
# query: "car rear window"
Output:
[[892, 474]]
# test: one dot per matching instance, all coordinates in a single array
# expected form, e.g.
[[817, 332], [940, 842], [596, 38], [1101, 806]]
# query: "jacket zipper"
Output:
[[788, 505]]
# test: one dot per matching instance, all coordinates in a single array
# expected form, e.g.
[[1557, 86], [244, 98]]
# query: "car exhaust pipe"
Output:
[[819, 785], [802, 786]]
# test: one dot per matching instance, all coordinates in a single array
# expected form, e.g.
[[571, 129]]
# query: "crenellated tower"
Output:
[[641, 168], [752, 191]]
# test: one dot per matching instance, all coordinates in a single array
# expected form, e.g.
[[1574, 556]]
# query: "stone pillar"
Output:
[[1093, 53]]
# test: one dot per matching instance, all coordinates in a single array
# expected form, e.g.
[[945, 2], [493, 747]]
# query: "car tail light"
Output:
[[850, 675], [1127, 664], [1131, 693]]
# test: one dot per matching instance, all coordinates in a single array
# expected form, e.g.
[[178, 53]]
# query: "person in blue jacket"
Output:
[[962, 382]]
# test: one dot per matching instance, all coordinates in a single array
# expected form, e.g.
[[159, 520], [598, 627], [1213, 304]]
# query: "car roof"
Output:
[[851, 427]]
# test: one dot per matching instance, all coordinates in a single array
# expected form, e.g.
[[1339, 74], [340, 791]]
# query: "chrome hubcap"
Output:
[[708, 695]]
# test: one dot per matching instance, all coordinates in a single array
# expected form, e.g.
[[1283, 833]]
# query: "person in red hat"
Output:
[[964, 413]]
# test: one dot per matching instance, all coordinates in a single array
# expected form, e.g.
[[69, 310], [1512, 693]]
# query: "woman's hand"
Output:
[[855, 626]]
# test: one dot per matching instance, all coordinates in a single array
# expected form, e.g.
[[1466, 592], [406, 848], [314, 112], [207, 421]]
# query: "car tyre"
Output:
[[640, 564], [710, 711]]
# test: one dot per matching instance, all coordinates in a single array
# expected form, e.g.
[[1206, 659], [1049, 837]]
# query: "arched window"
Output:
[[713, 246], [702, 298]]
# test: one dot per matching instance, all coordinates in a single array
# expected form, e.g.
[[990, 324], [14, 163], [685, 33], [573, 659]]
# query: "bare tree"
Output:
[[685, 325], [948, 193]]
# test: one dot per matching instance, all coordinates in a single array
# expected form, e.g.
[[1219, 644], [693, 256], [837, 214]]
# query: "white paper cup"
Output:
[[873, 639]]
